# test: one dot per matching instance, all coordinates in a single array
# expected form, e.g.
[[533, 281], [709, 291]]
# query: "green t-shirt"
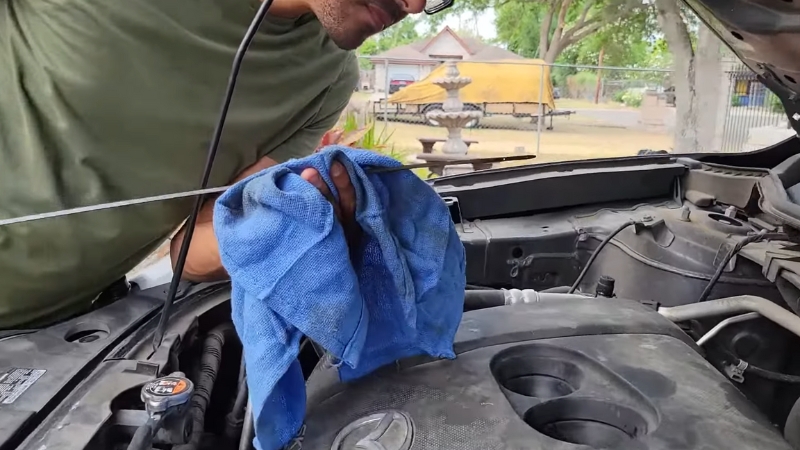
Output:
[[108, 100]]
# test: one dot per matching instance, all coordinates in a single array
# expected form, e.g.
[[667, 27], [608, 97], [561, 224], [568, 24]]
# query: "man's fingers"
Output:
[[347, 194], [345, 208], [347, 203], [312, 176]]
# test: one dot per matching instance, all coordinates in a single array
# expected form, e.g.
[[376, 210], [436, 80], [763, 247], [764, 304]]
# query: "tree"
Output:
[[470, 33], [368, 48], [697, 65], [518, 25], [566, 22], [402, 33], [625, 43], [553, 25]]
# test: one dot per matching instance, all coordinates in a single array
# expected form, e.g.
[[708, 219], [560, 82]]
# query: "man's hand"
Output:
[[203, 263], [345, 208]]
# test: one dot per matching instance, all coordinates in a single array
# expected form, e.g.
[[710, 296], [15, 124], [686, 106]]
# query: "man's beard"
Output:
[[336, 16]]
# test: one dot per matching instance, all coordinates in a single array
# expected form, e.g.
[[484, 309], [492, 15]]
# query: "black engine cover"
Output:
[[557, 375]]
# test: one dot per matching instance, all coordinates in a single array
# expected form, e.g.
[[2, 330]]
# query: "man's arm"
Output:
[[203, 261]]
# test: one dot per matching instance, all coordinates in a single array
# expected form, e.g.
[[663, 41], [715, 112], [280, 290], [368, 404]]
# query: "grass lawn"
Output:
[[580, 136], [571, 103], [570, 140]]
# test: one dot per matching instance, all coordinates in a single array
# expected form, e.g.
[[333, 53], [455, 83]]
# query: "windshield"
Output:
[[653, 79]]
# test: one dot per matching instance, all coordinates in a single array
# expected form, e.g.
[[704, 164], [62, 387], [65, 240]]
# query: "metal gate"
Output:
[[751, 106]]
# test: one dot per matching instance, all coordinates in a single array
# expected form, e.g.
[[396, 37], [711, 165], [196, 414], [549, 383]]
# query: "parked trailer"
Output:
[[519, 88], [418, 112]]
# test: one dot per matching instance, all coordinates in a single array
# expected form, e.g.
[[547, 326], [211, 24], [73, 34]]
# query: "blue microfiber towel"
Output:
[[292, 276]]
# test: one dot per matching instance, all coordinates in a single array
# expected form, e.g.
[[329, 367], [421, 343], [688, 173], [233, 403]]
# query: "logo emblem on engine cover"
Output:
[[388, 430]]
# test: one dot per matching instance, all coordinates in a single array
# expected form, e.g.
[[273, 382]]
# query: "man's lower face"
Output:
[[350, 22], [349, 39]]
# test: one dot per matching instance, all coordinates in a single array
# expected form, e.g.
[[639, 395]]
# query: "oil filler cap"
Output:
[[389, 430], [167, 392]]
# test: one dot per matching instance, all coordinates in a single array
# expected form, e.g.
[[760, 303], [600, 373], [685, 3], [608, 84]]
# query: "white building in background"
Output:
[[415, 61]]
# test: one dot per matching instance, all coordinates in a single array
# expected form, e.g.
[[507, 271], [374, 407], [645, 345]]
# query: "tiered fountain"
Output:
[[452, 115]]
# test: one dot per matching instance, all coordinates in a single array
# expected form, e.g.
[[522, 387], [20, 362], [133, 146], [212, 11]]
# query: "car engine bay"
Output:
[[649, 302], [637, 303]]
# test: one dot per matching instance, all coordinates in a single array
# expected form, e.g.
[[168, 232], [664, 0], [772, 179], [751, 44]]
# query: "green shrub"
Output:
[[581, 85], [364, 136], [774, 103], [632, 98], [585, 79]]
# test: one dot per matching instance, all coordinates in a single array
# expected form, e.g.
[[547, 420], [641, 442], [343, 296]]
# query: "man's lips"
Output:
[[380, 17]]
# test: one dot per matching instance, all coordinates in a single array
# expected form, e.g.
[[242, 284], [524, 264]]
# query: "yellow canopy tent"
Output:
[[505, 81]]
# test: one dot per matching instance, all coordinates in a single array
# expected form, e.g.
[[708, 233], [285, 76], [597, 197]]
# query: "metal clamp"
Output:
[[736, 372]]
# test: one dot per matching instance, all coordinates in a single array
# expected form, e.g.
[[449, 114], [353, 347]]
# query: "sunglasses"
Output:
[[435, 6]]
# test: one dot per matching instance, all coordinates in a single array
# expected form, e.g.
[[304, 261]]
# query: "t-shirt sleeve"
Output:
[[305, 141]]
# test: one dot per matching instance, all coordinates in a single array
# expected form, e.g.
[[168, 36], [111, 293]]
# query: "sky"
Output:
[[482, 24]]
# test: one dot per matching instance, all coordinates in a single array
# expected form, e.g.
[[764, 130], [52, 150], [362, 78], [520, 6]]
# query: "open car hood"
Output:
[[765, 35]]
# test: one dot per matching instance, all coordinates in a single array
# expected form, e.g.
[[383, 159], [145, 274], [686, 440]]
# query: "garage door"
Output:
[[403, 71]]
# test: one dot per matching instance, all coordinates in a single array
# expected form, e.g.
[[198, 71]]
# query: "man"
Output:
[[106, 100]]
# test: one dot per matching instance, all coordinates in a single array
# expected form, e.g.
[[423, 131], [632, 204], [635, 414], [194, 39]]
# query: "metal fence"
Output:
[[754, 116], [595, 112]]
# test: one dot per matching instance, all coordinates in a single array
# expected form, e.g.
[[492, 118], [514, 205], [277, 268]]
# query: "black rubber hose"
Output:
[[770, 375], [489, 298], [475, 287], [721, 267], [240, 402], [143, 438], [241, 393], [235, 418], [204, 383], [791, 428], [242, 375], [730, 358], [595, 253], [556, 290]]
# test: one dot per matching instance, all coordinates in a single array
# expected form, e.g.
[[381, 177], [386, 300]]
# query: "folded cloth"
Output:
[[292, 275]]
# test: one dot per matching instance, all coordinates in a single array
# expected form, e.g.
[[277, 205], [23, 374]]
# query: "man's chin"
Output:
[[348, 40]]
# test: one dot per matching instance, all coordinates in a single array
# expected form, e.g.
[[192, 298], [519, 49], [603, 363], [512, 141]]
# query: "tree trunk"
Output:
[[599, 76], [544, 32], [677, 36], [552, 54], [696, 78], [708, 83]]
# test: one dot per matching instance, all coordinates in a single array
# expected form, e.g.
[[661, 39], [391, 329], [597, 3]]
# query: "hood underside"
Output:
[[765, 35]]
